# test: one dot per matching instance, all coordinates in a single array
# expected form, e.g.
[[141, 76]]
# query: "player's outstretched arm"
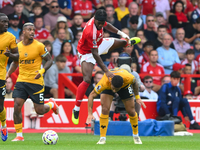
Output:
[[13, 53], [111, 28], [101, 64], [13, 67], [91, 97], [136, 93], [47, 65]]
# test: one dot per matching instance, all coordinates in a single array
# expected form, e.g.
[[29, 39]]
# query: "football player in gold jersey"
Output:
[[30, 81], [125, 85], [8, 48]]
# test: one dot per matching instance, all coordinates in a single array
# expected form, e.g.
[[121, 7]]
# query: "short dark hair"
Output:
[[100, 15], [39, 16], [36, 4], [162, 26], [190, 51], [17, 2], [61, 58], [117, 81], [175, 74], [109, 5], [99, 72], [27, 24], [188, 65], [148, 77], [148, 43]]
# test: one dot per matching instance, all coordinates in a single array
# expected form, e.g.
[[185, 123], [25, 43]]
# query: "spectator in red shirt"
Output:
[[147, 7], [83, 7], [67, 51], [113, 60], [152, 67], [148, 46], [41, 34], [177, 18], [188, 7]]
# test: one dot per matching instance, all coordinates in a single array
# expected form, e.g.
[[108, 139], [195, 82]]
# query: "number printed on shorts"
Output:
[[130, 90], [41, 95], [3, 91]]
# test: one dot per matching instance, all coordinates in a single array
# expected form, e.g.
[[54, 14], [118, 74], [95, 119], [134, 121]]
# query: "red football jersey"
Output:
[[91, 37], [147, 68], [41, 34], [81, 7], [147, 6]]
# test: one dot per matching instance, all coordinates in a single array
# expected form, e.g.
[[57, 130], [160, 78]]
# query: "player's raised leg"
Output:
[[87, 69], [130, 108], [17, 115], [106, 101], [118, 43]]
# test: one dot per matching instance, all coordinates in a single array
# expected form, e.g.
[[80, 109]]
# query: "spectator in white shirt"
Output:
[[148, 92]]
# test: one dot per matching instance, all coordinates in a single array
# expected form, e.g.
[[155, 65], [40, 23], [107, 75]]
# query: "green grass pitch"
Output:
[[33, 141]]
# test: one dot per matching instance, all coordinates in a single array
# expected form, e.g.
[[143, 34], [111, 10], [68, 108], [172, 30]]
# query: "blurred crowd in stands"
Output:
[[169, 32]]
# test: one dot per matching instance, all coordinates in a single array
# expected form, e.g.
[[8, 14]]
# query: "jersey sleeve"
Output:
[[76, 8], [102, 85], [69, 4], [90, 37], [13, 43], [43, 50]]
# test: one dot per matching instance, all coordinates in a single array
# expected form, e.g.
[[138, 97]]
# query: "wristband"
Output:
[[137, 96], [41, 71], [120, 33]]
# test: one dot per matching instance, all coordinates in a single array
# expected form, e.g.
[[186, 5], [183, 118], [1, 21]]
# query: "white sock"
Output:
[[20, 134], [134, 135], [76, 108], [103, 138], [2, 127], [52, 104], [192, 122]]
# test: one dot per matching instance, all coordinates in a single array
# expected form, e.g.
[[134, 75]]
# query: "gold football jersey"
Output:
[[30, 60], [105, 84], [7, 40]]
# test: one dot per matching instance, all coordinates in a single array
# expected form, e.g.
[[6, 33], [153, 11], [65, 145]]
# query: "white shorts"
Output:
[[103, 49]]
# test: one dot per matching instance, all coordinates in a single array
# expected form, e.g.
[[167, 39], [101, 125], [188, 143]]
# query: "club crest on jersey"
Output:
[[95, 42], [25, 54], [98, 88]]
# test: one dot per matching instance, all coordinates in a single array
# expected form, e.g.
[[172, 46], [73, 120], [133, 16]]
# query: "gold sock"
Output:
[[18, 128], [50, 105], [103, 125], [3, 117], [134, 123]]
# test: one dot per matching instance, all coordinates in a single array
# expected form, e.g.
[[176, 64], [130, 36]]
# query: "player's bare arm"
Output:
[[111, 28], [136, 93], [91, 97], [47, 65], [101, 64], [13, 53], [13, 67]]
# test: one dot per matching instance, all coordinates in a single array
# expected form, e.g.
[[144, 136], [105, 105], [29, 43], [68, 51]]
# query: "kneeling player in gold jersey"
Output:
[[30, 81], [8, 48], [122, 84]]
